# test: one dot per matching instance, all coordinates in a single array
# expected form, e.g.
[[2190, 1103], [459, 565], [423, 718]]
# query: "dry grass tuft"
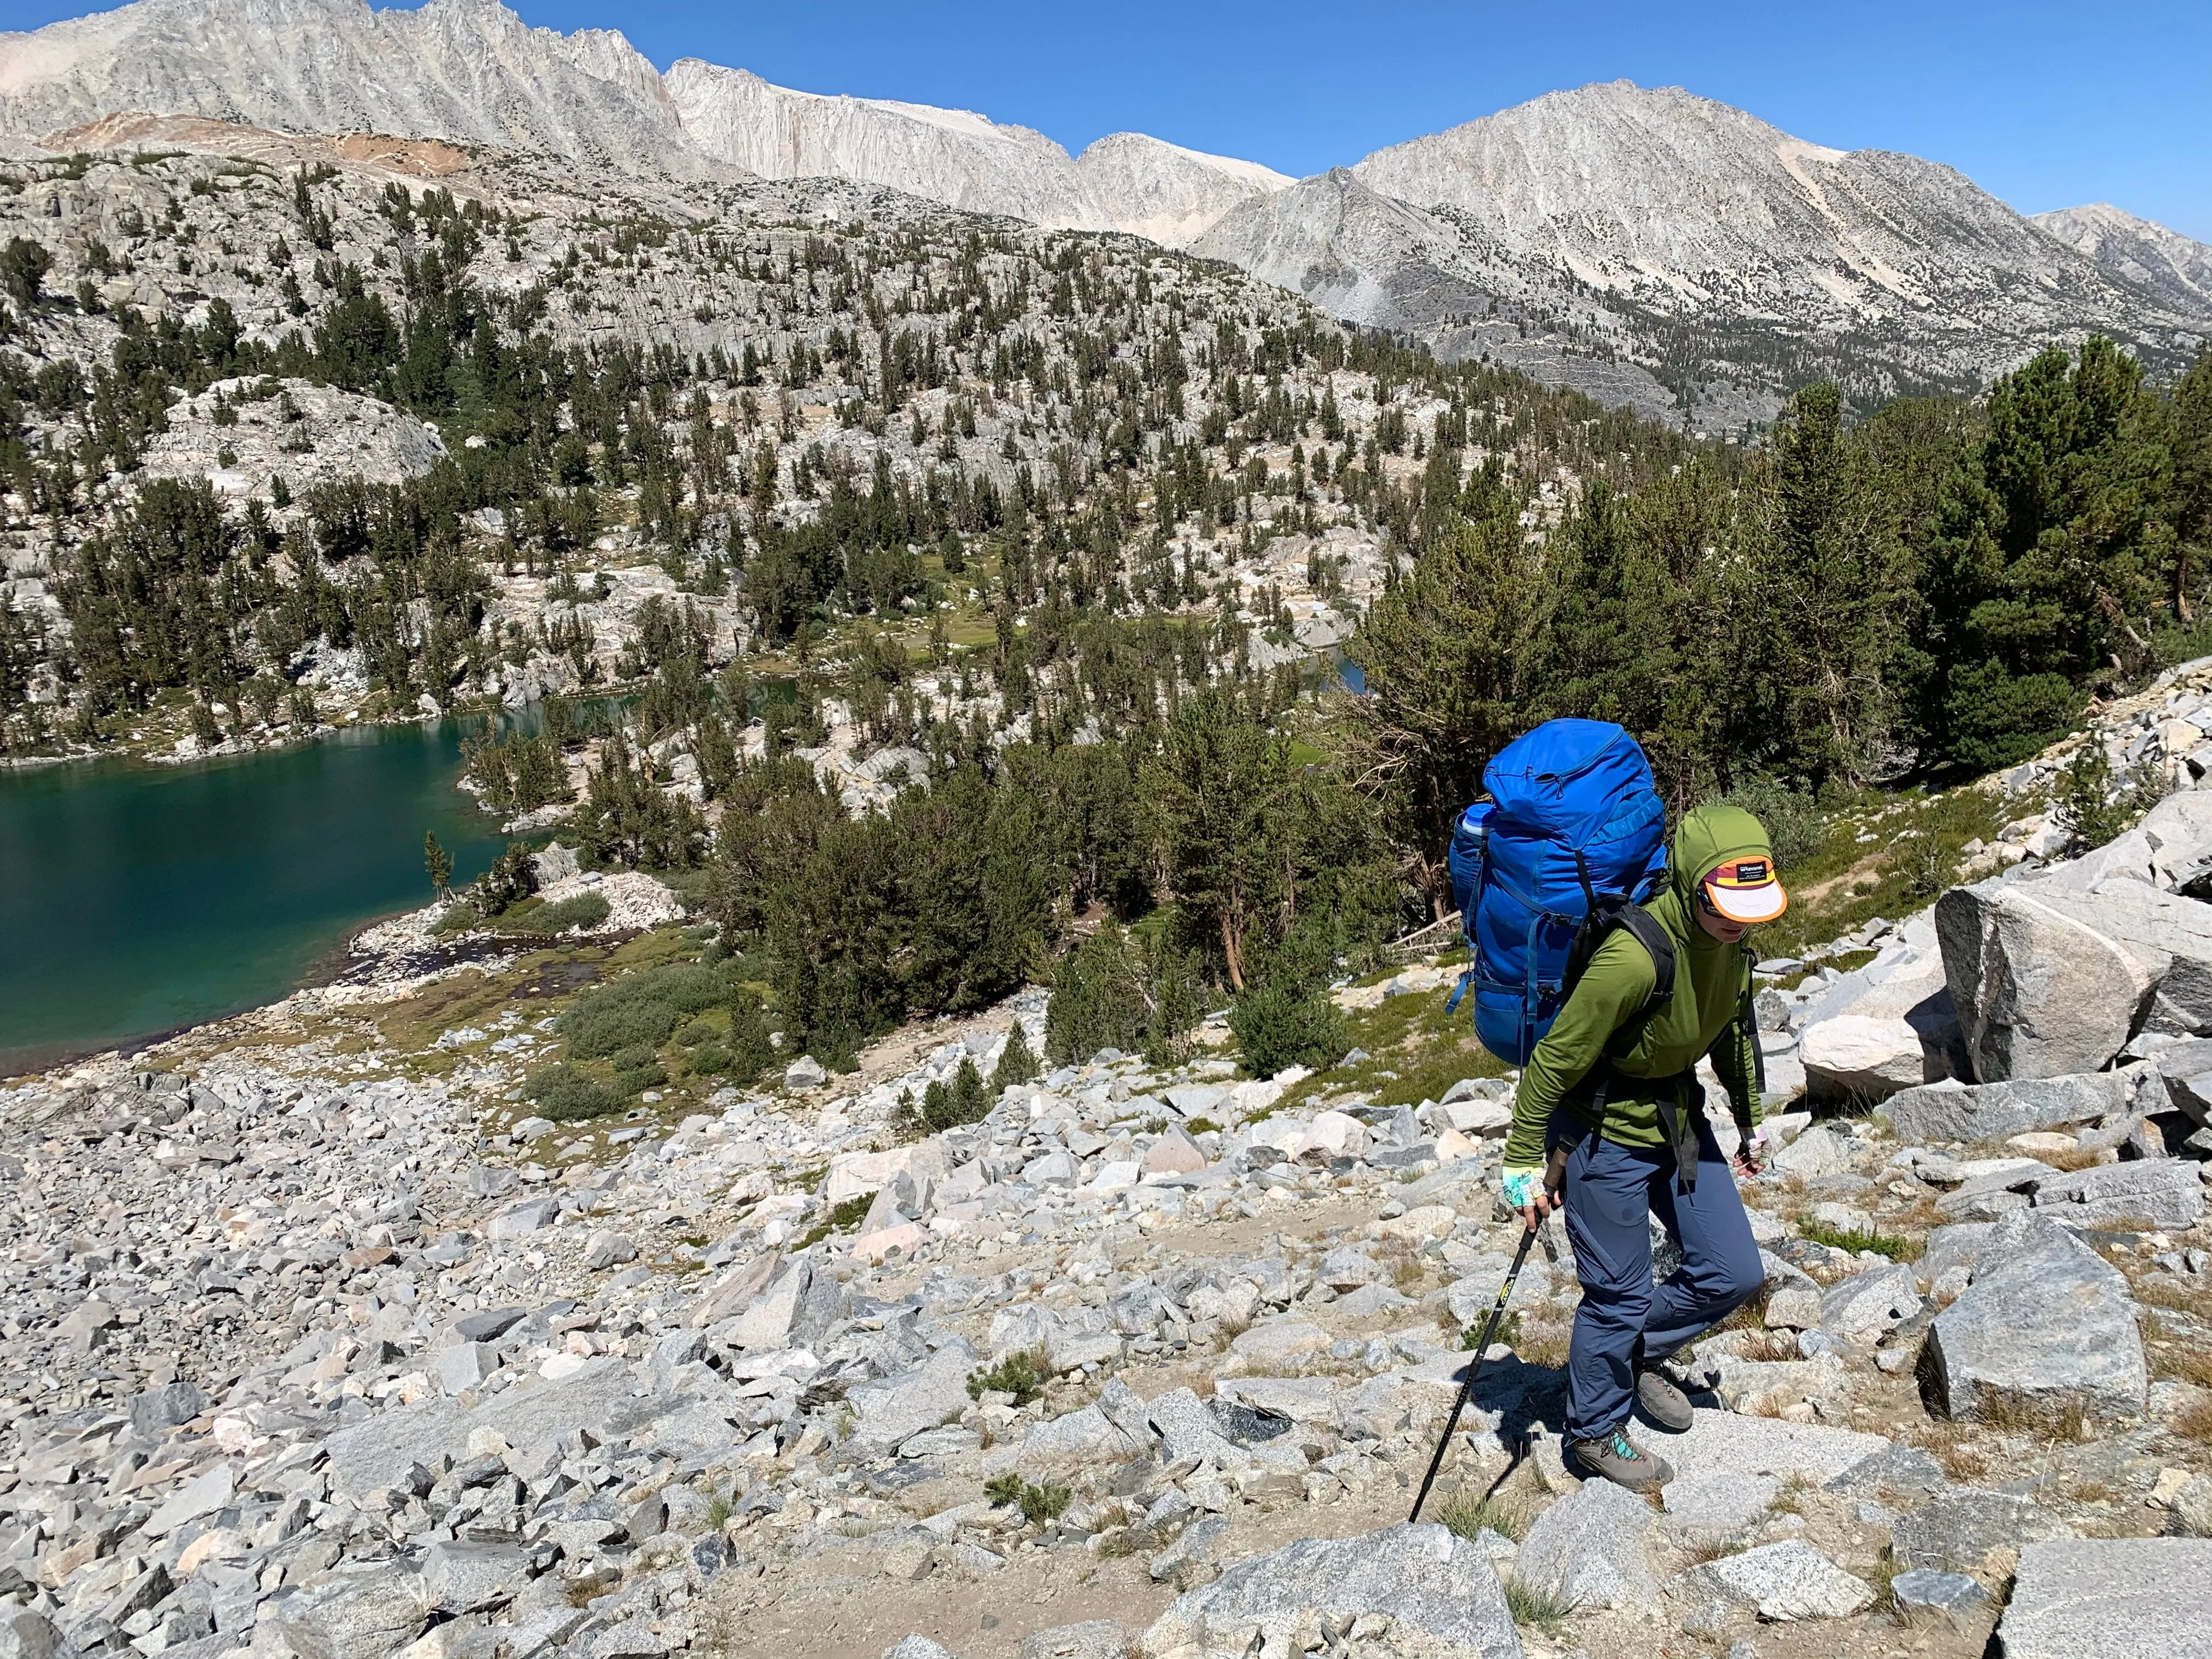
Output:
[[1752, 1316], [1950, 1444], [1467, 1512]]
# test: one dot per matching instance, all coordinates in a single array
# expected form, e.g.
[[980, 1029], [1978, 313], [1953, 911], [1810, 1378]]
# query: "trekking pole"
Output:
[[1467, 1383]]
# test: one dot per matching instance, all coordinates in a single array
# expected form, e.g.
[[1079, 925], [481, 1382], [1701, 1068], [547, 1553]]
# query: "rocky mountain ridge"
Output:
[[2160, 260], [1648, 246], [1620, 227], [470, 71]]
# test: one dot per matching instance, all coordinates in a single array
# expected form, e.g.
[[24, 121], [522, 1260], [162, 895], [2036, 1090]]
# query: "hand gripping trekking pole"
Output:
[[1467, 1383]]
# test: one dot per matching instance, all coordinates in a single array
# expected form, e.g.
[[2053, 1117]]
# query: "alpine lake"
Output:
[[136, 899]]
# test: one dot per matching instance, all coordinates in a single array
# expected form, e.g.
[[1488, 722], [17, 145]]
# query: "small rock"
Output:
[[1924, 1595]]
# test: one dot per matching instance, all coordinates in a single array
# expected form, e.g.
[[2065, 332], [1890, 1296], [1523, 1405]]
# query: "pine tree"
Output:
[[1018, 1062], [1449, 653], [751, 1051], [439, 863], [1830, 586]]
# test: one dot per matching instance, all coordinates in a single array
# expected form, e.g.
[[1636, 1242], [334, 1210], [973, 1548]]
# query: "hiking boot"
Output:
[[1618, 1459], [1665, 1406]]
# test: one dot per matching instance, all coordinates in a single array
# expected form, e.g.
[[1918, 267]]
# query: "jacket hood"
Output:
[[1708, 837]]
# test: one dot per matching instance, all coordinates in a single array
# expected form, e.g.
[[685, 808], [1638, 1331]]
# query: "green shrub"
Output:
[[1531, 1603], [601, 1024], [1467, 1512], [1791, 817], [1038, 1505], [698, 1031], [1277, 1026], [2095, 804], [692, 987], [566, 1095], [540, 920], [1854, 1240], [708, 1059], [635, 1058], [963, 1100], [641, 1009], [638, 1068], [1022, 1374]]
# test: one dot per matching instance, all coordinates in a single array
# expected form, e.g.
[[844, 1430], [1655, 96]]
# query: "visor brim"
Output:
[[1748, 905]]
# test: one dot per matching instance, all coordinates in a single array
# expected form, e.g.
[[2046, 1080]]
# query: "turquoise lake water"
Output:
[[135, 899]]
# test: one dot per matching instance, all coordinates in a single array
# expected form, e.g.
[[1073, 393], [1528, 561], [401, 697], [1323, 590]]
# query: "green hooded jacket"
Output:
[[1699, 1019]]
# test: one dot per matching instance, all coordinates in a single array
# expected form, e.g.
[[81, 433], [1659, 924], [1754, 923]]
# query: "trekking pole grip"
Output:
[[1466, 1382]]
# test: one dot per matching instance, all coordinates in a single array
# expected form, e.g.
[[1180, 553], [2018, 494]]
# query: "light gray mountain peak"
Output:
[[2171, 266]]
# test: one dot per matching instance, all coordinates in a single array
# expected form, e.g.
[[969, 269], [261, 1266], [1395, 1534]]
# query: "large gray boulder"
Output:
[[1865, 1305], [2110, 1598], [2039, 991], [1883, 1027], [2047, 1330], [1861, 1056], [365, 1613], [1420, 1575], [2153, 1195], [1924, 1596], [2170, 935], [798, 1303], [1950, 1110], [2169, 849], [1729, 1469], [27, 1635], [1111, 1430], [1593, 1549], [933, 1392]]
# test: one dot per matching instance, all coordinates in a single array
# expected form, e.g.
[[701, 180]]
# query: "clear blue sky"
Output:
[[2044, 104]]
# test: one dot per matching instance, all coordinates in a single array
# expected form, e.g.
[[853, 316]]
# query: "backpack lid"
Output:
[[1564, 777]]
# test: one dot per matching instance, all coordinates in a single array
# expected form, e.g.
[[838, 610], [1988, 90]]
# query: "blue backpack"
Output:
[[1571, 841]]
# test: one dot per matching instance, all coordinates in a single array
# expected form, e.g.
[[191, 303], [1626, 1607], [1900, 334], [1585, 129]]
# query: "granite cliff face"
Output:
[[467, 70]]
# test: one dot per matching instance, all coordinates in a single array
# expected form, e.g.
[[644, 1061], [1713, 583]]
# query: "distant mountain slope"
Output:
[[1646, 246], [472, 72], [1126, 182], [1669, 208], [2142, 251], [468, 71]]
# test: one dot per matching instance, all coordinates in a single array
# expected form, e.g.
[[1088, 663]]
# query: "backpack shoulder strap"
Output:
[[1656, 945]]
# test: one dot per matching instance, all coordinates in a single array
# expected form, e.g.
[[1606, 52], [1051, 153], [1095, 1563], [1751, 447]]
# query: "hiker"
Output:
[[1609, 1098]]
